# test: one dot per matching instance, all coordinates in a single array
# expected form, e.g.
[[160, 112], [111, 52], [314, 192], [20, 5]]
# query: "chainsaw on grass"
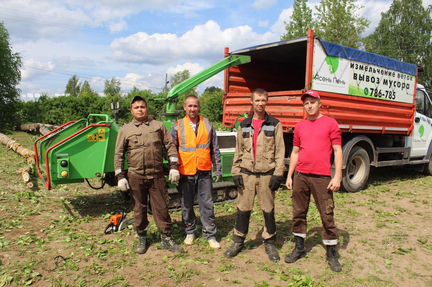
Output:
[[117, 222]]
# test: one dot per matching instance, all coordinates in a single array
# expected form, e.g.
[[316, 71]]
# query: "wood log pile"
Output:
[[42, 129], [26, 174], [29, 155]]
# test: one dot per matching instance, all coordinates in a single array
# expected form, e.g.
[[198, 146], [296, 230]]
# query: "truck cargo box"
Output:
[[364, 92]]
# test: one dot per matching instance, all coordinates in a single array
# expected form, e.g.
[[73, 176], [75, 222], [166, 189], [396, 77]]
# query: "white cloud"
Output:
[[118, 27], [205, 41], [33, 19], [263, 4], [131, 80], [372, 11], [32, 68], [193, 69], [263, 23], [27, 19], [278, 27]]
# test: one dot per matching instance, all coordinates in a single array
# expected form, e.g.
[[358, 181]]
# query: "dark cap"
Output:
[[138, 98], [310, 93]]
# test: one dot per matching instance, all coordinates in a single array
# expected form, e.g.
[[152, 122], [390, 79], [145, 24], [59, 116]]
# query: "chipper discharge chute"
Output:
[[77, 150]]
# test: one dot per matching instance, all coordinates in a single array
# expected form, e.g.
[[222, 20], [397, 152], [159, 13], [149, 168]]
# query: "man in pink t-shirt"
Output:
[[315, 139]]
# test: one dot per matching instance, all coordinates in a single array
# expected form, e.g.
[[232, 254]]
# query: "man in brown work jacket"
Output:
[[143, 140], [258, 169]]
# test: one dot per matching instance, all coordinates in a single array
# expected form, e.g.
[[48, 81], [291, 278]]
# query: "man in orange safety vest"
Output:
[[196, 142]]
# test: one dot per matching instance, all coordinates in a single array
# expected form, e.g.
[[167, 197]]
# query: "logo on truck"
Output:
[[421, 131]]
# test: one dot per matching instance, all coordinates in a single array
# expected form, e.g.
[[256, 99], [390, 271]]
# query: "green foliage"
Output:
[[211, 102], [337, 22], [59, 110], [86, 90], [404, 33], [301, 21], [10, 77], [112, 88], [73, 87], [155, 102], [177, 79]]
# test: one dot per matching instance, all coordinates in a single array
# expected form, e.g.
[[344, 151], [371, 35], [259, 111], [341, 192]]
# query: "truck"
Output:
[[385, 116]]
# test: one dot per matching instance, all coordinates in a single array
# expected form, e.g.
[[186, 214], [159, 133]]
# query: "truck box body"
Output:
[[364, 92]]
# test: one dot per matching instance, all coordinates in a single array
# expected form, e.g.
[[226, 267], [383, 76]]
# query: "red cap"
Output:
[[310, 93]]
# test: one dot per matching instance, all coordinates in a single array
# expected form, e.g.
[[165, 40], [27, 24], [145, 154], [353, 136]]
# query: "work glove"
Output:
[[238, 181], [174, 176], [275, 182], [123, 184]]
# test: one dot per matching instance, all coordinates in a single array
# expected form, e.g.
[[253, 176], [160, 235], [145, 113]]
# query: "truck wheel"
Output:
[[357, 170], [427, 170]]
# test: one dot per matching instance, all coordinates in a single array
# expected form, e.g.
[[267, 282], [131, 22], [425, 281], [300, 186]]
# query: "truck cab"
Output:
[[421, 139]]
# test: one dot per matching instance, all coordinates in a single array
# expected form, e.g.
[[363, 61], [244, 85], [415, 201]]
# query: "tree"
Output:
[[176, 79], [337, 22], [86, 90], [301, 21], [211, 102], [10, 76], [112, 88], [73, 87], [404, 33]]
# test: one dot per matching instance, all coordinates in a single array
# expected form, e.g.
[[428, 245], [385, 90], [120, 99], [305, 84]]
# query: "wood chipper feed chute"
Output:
[[77, 150]]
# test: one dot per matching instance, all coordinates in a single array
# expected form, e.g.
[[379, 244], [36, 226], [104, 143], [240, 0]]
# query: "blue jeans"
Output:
[[201, 186]]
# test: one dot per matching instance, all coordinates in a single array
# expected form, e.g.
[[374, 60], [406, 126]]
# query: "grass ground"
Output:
[[55, 238]]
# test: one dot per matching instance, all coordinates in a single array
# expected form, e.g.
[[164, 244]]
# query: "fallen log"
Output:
[[25, 173], [42, 129], [10, 143]]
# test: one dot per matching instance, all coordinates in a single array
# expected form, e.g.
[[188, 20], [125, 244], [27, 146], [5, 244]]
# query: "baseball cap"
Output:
[[310, 93], [138, 98]]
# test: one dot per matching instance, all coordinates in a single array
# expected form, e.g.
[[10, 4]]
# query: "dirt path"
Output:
[[56, 239]]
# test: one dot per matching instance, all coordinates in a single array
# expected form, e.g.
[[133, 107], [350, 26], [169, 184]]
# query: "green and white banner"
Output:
[[339, 75]]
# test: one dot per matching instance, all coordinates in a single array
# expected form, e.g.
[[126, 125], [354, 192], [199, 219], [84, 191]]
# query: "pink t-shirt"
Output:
[[315, 140], [257, 124]]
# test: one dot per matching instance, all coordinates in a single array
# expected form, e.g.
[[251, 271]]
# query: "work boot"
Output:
[[298, 251], [142, 243], [236, 247], [332, 258], [168, 243], [271, 250]]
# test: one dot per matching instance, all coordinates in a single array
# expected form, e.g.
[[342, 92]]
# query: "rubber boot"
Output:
[[271, 250], [332, 258], [236, 247], [168, 243], [142, 243], [298, 251]]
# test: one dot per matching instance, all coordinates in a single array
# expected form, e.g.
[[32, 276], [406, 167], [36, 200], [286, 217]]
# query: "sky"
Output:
[[140, 41]]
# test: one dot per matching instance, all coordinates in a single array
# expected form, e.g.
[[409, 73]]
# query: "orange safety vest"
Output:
[[194, 150]]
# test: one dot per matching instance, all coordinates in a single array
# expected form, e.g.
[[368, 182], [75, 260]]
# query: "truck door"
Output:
[[422, 135]]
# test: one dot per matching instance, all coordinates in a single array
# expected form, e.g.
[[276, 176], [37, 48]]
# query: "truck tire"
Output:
[[427, 170], [357, 168]]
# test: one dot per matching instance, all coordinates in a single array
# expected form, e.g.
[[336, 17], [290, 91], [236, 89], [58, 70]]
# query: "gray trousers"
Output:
[[201, 186]]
